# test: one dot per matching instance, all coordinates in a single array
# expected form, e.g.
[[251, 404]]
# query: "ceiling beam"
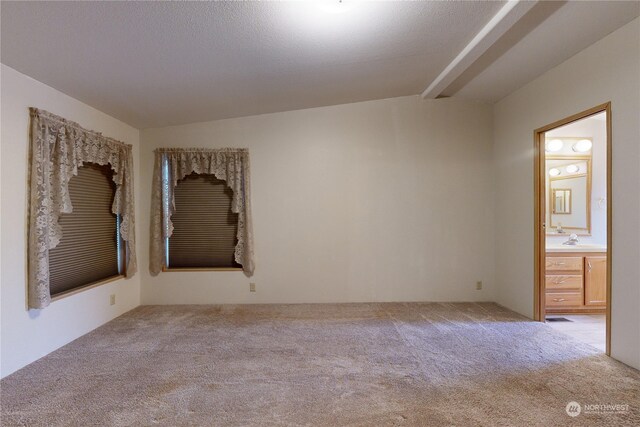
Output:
[[506, 18]]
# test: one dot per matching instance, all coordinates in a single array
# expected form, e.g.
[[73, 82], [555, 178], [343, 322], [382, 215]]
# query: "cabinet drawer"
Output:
[[563, 299], [558, 281], [558, 263]]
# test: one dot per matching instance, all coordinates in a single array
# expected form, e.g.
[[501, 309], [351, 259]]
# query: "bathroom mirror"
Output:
[[568, 194], [561, 198]]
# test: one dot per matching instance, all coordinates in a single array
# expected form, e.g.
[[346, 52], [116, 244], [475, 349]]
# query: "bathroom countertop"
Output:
[[586, 247]]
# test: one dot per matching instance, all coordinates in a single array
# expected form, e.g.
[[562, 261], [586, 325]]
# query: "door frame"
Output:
[[540, 213]]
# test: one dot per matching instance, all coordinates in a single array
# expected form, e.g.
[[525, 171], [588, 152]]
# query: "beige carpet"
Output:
[[321, 365]]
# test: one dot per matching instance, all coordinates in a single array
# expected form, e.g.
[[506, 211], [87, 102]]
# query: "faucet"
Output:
[[573, 240]]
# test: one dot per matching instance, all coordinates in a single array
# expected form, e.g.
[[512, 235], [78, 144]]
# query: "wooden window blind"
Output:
[[204, 228], [90, 246]]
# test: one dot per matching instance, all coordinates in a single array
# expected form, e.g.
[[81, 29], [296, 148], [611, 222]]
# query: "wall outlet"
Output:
[[112, 299], [252, 287], [479, 285]]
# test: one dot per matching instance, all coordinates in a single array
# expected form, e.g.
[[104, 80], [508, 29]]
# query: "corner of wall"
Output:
[[27, 335]]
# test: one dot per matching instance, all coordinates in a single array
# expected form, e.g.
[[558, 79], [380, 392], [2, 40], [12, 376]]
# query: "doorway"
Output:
[[573, 221]]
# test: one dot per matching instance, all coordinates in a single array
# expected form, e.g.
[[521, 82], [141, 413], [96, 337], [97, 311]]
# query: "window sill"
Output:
[[86, 287], [187, 269]]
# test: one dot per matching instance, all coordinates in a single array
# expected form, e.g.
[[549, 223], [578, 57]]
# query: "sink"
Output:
[[580, 247]]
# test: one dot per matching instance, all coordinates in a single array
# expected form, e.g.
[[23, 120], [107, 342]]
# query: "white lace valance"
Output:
[[228, 164], [58, 148]]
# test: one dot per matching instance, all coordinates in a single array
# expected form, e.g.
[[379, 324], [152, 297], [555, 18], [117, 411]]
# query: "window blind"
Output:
[[204, 228], [88, 251]]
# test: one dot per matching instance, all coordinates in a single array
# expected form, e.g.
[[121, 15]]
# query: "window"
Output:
[[204, 227], [90, 249], [201, 210]]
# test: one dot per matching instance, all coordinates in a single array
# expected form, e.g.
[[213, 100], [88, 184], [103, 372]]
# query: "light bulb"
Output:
[[582, 146], [554, 145], [573, 168], [554, 172]]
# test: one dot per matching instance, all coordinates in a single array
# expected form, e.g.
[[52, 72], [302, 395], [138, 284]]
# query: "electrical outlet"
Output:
[[112, 299], [479, 285], [252, 287]]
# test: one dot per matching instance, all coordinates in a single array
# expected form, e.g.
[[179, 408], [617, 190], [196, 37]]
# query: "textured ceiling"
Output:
[[548, 35], [155, 64], [163, 63]]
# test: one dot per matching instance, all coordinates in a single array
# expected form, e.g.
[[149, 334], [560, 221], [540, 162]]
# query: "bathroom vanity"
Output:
[[576, 279]]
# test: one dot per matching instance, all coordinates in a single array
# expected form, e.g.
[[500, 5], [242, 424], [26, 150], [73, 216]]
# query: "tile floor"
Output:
[[587, 328]]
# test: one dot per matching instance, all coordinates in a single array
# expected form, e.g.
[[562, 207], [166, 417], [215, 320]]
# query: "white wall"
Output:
[[608, 70], [27, 335], [387, 200]]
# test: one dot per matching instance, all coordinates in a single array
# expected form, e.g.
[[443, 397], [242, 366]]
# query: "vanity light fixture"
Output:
[[582, 146], [554, 145], [573, 168], [554, 172]]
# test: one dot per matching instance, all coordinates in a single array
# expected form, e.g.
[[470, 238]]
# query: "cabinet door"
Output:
[[595, 281]]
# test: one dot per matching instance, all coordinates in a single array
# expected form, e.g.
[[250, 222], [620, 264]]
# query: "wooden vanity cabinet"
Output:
[[595, 281], [575, 283]]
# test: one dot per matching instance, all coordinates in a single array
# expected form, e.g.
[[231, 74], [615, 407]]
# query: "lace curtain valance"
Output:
[[172, 164], [58, 148]]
